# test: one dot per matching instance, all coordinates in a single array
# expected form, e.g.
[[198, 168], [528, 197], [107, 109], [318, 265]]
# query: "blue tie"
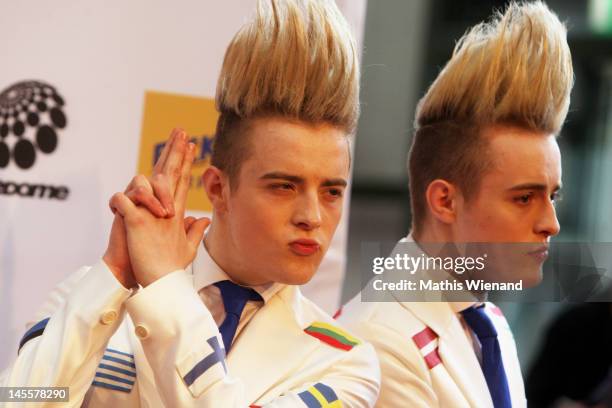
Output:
[[234, 298], [492, 364]]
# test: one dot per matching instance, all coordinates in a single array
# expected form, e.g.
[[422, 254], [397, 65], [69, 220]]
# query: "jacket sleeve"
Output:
[[64, 344], [353, 382], [183, 346]]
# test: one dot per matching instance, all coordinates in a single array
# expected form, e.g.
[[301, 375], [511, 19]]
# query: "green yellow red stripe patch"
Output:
[[332, 335]]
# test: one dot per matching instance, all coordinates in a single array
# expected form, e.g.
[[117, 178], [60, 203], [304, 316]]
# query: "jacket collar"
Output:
[[442, 318]]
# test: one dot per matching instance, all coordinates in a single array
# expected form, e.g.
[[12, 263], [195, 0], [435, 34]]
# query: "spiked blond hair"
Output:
[[296, 59], [514, 70]]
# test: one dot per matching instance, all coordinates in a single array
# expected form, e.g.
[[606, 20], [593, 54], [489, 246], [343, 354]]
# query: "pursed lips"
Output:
[[304, 247], [541, 253]]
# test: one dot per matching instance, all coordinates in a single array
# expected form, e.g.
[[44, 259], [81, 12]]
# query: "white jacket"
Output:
[[161, 347], [426, 357]]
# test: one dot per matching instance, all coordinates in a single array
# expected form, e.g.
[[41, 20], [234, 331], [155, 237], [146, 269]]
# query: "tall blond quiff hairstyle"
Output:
[[516, 68], [513, 70], [297, 60]]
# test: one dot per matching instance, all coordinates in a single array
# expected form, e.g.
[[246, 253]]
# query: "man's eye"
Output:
[[523, 199], [282, 186], [336, 192], [556, 197]]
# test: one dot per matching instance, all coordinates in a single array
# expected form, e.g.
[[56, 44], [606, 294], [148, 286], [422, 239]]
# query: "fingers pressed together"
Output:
[[168, 185]]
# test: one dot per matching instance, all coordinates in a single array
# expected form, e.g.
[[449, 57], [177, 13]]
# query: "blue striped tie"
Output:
[[234, 298], [492, 364]]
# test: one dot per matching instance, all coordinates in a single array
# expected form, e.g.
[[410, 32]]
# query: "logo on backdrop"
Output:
[[198, 116], [31, 117]]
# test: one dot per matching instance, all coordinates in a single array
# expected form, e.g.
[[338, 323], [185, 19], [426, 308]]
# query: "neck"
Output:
[[433, 240], [219, 248], [433, 234]]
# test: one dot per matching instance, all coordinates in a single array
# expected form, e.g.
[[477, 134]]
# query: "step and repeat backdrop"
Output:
[[89, 92]]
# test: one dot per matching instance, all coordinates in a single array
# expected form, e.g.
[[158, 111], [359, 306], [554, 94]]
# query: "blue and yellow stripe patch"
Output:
[[320, 396]]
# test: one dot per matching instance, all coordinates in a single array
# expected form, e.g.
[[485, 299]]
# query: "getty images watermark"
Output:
[[498, 271], [458, 265]]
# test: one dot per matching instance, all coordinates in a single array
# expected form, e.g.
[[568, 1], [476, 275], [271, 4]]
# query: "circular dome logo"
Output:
[[31, 113]]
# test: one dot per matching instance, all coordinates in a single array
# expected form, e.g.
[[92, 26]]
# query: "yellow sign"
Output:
[[198, 117]]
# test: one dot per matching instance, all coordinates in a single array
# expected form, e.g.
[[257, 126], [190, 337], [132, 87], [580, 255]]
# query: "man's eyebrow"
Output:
[[334, 182], [532, 186], [282, 176]]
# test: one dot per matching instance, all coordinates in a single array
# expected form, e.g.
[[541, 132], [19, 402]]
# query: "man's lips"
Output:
[[304, 247], [541, 253]]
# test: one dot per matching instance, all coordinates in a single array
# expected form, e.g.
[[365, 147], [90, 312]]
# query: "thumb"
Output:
[[188, 222], [196, 231]]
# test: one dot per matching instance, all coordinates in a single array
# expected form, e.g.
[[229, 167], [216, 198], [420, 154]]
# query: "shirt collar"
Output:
[[461, 306], [456, 306], [207, 272]]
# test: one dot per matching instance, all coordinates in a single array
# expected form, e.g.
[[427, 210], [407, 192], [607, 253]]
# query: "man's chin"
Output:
[[529, 275], [532, 278], [296, 277], [299, 270]]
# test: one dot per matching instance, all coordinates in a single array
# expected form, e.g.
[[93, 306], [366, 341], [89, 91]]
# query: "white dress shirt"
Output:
[[206, 272]]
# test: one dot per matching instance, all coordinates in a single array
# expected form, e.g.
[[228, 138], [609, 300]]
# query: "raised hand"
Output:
[[117, 257], [158, 246], [155, 194]]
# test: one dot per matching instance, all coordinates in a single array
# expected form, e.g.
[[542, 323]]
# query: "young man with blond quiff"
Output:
[[484, 168], [170, 319]]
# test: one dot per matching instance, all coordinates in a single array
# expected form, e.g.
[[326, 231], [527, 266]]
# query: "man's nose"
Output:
[[307, 214], [548, 224]]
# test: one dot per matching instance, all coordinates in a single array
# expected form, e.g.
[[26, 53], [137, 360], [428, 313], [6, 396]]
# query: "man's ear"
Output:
[[442, 200], [216, 184]]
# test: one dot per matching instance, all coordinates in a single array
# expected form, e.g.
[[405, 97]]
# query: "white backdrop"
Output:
[[101, 56]]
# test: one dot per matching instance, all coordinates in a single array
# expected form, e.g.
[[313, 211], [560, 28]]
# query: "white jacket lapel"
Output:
[[275, 330], [454, 349]]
